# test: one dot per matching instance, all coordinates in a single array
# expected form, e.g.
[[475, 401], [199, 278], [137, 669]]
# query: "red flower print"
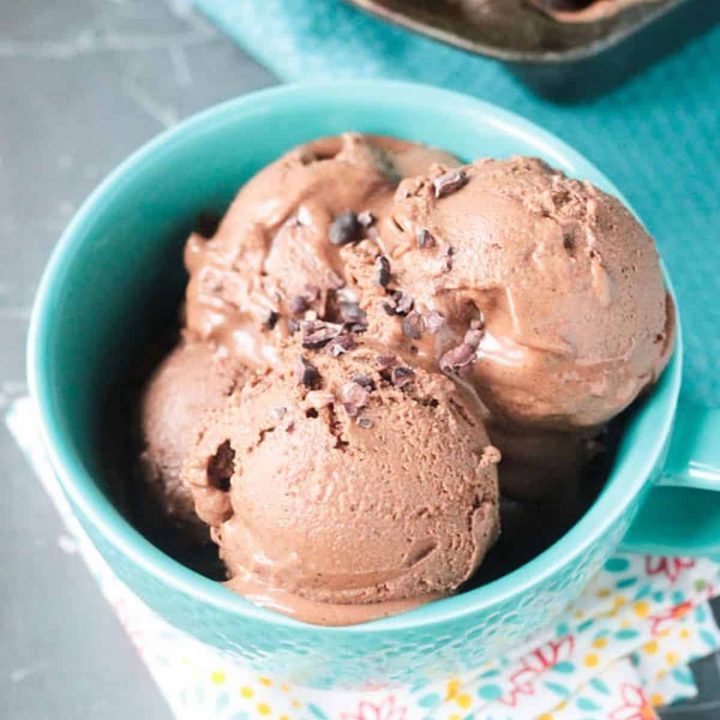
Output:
[[387, 710], [522, 681], [668, 617], [671, 567], [635, 705]]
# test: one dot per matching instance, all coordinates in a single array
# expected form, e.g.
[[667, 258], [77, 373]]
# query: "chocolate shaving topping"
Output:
[[458, 357], [366, 219], [365, 380], [434, 321], [316, 333], [382, 271], [449, 182], [307, 374], [385, 362], [271, 319], [413, 325], [353, 317], [351, 312], [339, 345], [425, 239], [404, 303], [398, 303], [299, 304], [389, 307], [365, 422], [345, 229], [355, 398], [347, 294], [290, 426], [402, 376], [447, 265], [302, 302]]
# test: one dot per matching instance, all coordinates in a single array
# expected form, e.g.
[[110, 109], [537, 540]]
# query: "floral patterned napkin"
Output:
[[620, 651]]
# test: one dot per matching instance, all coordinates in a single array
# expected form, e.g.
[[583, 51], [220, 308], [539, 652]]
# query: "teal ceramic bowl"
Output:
[[115, 278]]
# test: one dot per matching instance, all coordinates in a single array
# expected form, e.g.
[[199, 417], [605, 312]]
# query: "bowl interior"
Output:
[[116, 277]]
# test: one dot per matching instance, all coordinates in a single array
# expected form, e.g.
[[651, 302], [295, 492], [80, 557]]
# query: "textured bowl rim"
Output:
[[80, 488]]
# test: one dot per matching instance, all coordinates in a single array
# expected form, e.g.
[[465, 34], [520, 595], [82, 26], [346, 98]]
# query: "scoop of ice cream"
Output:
[[190, 381], [345, 488], [542, 291], [275, 255]]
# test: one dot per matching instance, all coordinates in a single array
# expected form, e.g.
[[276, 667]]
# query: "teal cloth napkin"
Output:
[[656, 135]]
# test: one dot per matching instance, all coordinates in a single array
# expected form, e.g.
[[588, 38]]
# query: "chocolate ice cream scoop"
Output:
[[276, 254], [543, 292], [342, 489], [190, 381]]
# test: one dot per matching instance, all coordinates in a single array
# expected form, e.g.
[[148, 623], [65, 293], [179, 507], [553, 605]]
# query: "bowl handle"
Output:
[[681, 513]]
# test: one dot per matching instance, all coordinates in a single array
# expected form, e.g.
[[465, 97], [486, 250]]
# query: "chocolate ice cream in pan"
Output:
[[535, 31], [371, 328]]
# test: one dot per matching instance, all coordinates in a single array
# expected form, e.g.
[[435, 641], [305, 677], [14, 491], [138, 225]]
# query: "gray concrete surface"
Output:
[[82, 83]]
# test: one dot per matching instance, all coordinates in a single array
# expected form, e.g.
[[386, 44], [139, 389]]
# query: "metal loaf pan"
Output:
[[517, 31]]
